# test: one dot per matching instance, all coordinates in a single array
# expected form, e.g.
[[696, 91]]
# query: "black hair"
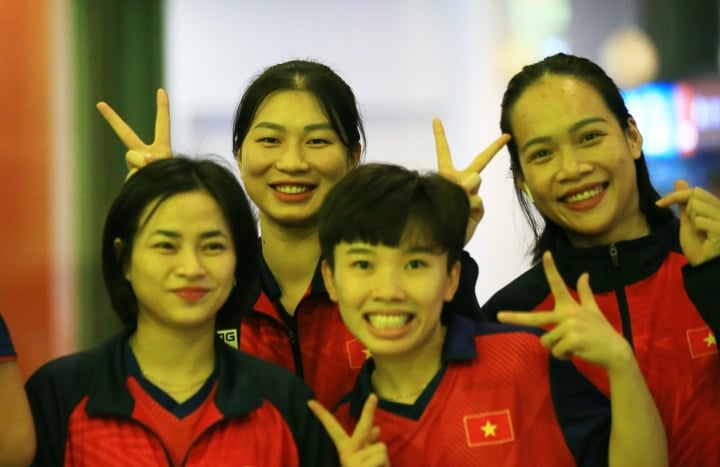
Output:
[[389, 205], [157, 182], [334, 95]]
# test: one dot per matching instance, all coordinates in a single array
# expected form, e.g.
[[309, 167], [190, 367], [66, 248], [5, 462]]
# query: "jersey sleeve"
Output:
[[583, 413], [701, 284], [7, 351]]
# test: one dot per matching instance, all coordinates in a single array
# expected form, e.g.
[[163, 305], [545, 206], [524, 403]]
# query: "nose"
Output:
[[190, 264], [572, 167], [388, 286], [292, 159]]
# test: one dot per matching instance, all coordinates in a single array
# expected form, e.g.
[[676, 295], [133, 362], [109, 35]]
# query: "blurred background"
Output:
[[407, 60]]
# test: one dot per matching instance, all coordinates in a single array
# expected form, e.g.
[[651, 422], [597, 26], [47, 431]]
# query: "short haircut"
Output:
[[385, 204], [157, 182]]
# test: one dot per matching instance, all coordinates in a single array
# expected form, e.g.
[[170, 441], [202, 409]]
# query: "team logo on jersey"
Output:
[[229, 336], [702, 342], [489, 428], [357, 353]]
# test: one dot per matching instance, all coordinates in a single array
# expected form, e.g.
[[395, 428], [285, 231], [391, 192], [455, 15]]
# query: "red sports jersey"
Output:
[[499, 400], [90, 409], [648, 292]]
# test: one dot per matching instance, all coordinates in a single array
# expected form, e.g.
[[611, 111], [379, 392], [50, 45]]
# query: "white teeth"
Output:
[[292, 189], [582, 196], [387, 321]]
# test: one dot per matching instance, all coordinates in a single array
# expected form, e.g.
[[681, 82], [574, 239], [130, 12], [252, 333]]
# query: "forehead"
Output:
[[290, 106], [186, 212], [553, 103]]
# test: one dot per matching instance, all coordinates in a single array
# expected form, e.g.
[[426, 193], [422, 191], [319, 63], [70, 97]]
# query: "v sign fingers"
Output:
[[469, 177], [160, 147], [362, 448]]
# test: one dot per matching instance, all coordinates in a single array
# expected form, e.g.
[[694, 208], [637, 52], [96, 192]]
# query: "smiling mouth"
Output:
[[292, 189], [388, 321], [585, 194]]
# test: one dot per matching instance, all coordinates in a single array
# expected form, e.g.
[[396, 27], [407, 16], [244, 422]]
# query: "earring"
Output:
[[527, 191]]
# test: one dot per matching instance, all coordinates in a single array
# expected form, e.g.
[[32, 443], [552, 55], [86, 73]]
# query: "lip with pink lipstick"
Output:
[[584, 198], [293, 192], [191, 294]]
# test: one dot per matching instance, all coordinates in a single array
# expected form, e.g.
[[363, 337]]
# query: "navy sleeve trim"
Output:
[[702, 283]]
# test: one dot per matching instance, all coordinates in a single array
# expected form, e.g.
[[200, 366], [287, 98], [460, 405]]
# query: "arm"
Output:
[[700, 242], [17, 434], [580, 329], [140, 154]]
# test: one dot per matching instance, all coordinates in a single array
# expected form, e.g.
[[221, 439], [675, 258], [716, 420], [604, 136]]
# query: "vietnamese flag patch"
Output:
[[357, 353], [489, 428], [702, 342]]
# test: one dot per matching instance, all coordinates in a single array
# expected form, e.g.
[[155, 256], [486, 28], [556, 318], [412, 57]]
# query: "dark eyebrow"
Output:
[[308, 128], [573, 128], [173, 234]]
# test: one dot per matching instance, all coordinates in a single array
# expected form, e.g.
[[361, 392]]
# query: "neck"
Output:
[[177, 362], [291, 254], [637, 227], [402, 378]]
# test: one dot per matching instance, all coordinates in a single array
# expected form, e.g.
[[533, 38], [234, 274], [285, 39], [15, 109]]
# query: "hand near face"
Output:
[[469, 177], [578, 327], [699, 221], [361, 449], [140, 154]]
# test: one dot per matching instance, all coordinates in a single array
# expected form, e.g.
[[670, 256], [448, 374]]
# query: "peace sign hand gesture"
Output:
[[578, 328], [361, 449], [140, 154], [699, 221], [469, 177]]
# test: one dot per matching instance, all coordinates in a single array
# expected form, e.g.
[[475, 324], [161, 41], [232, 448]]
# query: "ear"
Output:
[[355, 156], [119, 245], [522, 185], [329, 280], [634, 138], [453, 281]]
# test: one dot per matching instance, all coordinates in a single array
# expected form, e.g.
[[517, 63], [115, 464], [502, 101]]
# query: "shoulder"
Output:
[[73, 369]]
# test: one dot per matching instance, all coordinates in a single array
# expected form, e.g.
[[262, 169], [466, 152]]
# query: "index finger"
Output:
[[362, 430], [162, 118], [332, 426], [535, 319], [444, 160], [554, 279], [121, 129], [484, 158]]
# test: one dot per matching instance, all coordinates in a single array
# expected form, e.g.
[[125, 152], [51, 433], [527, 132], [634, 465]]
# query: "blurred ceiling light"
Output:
[[629, 57]]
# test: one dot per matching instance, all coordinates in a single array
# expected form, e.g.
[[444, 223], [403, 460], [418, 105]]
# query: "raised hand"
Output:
[[699, 221], [140, 154], [469, 177], [361, 449], [578, 328]]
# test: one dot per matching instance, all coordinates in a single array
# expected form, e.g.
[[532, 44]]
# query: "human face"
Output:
[[182, 266], [290, 159], [578, 162], [391, 298]]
